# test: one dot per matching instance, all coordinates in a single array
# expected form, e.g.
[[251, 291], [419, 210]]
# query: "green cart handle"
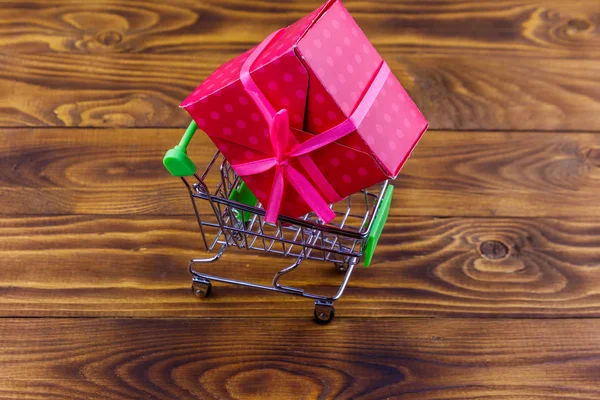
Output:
[[178, 163], [378, 224], [176, 160]]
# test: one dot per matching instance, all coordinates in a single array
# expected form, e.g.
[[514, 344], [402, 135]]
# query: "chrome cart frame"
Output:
[[230, 216]]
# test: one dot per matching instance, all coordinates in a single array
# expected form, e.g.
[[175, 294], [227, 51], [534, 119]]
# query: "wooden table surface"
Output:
[[486, 284]]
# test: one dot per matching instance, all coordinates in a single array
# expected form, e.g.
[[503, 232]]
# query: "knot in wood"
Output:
[[493, 249], [594, 156], [576, 25], [109, 38]]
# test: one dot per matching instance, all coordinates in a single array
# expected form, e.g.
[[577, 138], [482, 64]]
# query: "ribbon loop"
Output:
[[279, 133]]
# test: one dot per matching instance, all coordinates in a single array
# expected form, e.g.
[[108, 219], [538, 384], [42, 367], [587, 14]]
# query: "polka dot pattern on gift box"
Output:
[[324, 113], [241, 125], [234, 114], [393, 127], [229, 72], [337, 50], [285, 86], [223, 76]]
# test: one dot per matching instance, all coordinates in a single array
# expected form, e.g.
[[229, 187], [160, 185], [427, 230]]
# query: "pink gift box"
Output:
[[325, 73]]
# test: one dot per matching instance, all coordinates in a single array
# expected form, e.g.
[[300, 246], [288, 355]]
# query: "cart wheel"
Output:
[[342, 267], [324, 312], [237, 239], [201, 289]]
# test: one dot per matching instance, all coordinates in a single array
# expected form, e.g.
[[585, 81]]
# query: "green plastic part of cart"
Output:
[[242, 194], [176, 160], [378, 224]]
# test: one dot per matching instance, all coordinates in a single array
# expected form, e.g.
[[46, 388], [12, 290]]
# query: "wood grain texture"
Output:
[[538, 27], [493, 65], [420, 359], [101, 266], [105, 171], [493, 239], [453, 91]]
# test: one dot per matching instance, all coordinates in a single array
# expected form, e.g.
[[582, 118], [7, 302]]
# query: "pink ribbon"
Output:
[[286, 147]]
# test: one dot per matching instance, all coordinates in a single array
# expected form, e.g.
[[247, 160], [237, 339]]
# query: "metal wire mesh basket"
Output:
[[229, 216]]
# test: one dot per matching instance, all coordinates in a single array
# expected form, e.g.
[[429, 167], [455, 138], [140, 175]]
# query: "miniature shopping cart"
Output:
[[236, 219]]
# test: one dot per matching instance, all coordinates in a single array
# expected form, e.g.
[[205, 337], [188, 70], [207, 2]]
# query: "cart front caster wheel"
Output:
[[201, 289], [342, 267], [324, 312]]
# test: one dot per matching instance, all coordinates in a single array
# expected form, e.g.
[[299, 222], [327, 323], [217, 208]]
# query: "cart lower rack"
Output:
[[236, 219]]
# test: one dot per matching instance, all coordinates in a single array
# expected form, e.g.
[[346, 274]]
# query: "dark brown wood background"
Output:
[[486, 284]]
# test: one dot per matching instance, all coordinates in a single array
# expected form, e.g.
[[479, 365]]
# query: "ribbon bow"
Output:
[[286, 147], [281, 139]]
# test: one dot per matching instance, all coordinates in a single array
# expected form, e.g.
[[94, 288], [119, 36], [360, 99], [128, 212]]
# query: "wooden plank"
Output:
[[493, 65], [137, 267], [420, 359], [538, 27], [119, 171], [454, 91]]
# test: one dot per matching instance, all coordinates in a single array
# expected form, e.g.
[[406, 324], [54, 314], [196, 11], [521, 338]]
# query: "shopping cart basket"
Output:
[[236, 219]]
